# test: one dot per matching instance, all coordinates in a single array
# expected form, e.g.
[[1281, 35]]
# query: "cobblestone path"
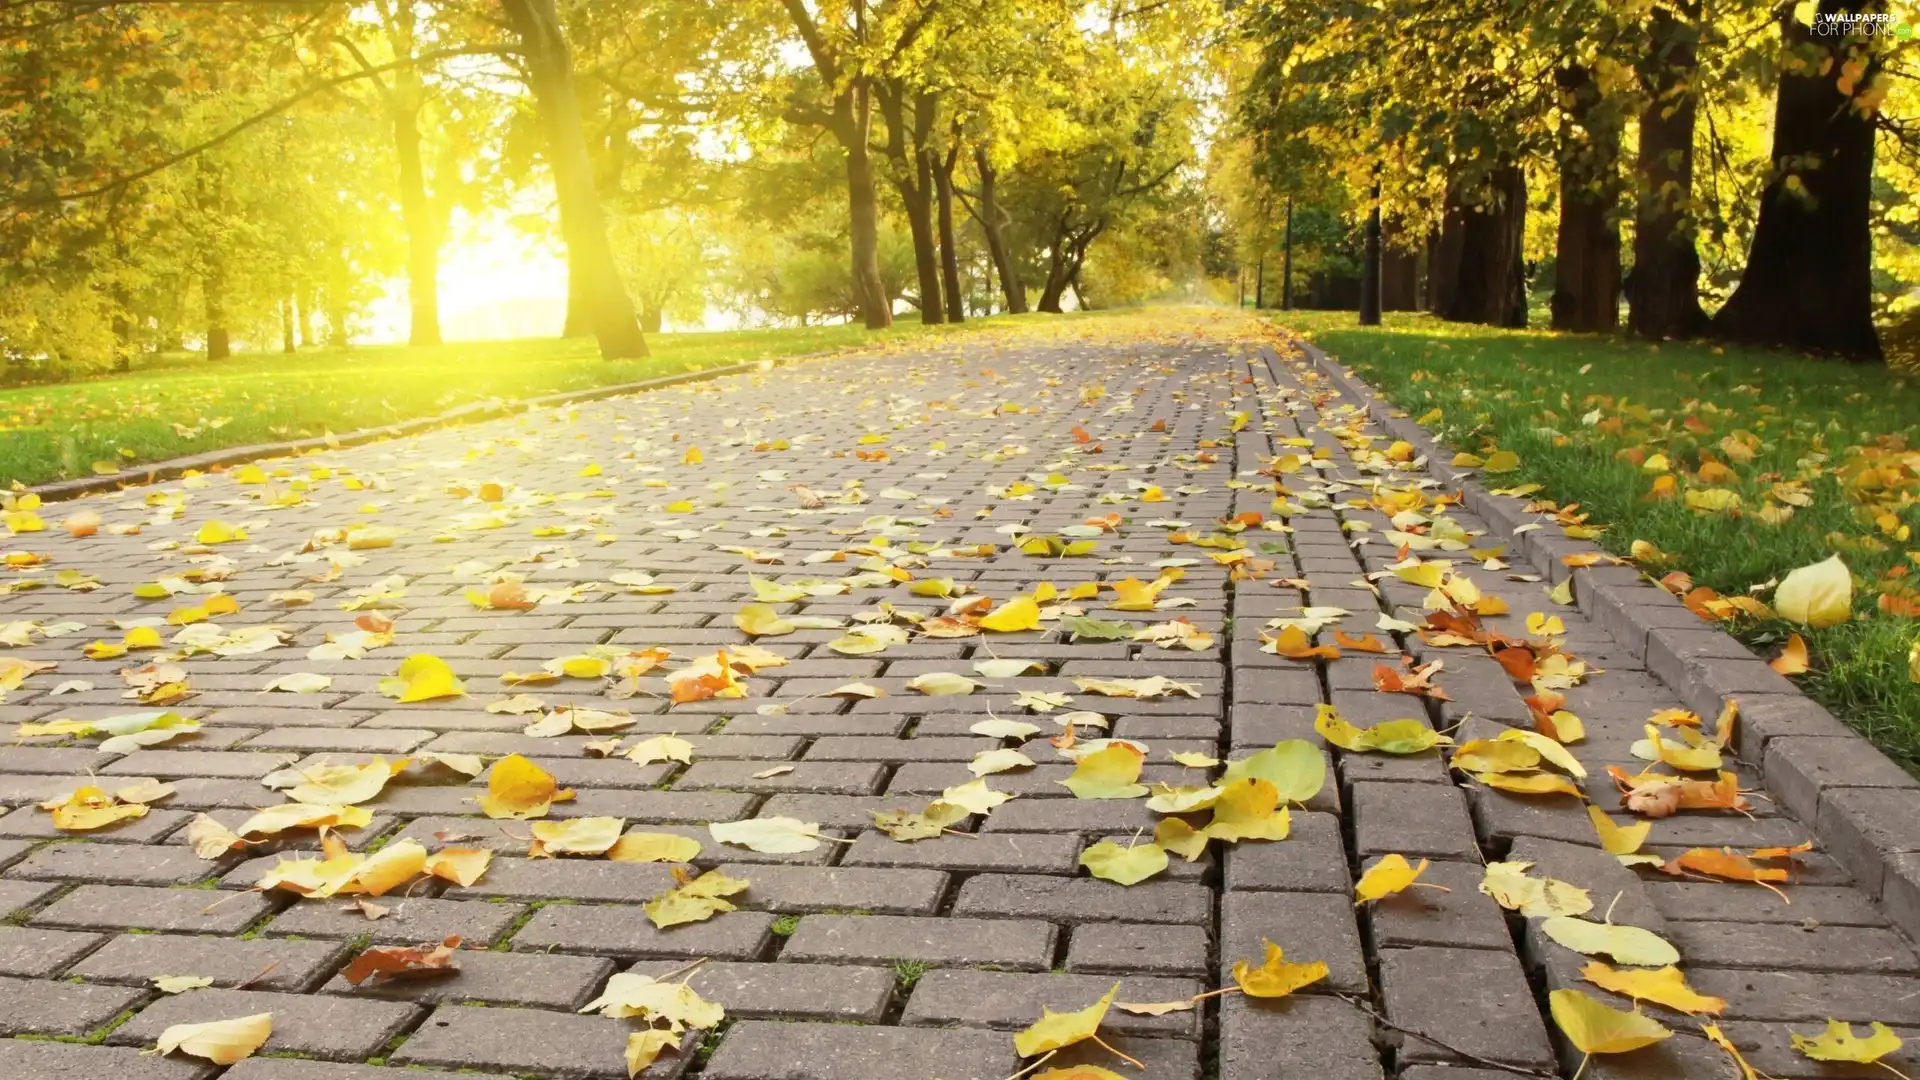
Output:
[[865, 958]]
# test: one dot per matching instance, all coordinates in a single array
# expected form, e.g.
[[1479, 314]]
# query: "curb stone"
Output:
[[1863, 808], [470, 413]]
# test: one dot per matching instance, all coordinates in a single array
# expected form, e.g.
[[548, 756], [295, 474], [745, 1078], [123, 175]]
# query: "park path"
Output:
[[864, 958]]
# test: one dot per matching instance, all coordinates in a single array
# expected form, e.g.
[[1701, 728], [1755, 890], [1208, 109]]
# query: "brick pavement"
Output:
[[865, 958]]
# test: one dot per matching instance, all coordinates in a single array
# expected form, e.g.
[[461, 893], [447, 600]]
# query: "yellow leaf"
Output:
[[222, 1042], [1054, 1030], [1626, 944], [90, 808], [422, 677], [696, 901], [1248, 809], [1510, 887], [1618, 839], [760, 620], [769, 835], [1501, 461], [219, 532], [575, 836], [1594, 1028], [1296, 768], [517, 788], [644, 1047], [1019, 613], [1839, 1043], [1109, 773], [1819, 596], [661, 748], [1390, 875], [1662, 986], [654, 847], [1180, 838], [1275, 978], [1124, 865], [345, 785], [462, 866]]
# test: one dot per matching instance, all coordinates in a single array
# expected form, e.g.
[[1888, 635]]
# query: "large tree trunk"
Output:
[[303, 315], [1443, 257], [650, 319], [1663, 291], [423, 245], [1057, 273], [1809, 282], [876, 306], [992, 222], [1586, 285], [550, 69], [1399, 272], [949, 252], [286, 325], [1489, 282]]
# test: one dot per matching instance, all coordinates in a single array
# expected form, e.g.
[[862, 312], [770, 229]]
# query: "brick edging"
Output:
[[470, 413], [1862, 808]]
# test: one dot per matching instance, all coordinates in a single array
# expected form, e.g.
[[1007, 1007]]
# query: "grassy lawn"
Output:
[[175, 405], [1820, 454]]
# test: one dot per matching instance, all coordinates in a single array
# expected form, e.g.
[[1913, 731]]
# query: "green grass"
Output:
[[175, 405], [1585, 412]]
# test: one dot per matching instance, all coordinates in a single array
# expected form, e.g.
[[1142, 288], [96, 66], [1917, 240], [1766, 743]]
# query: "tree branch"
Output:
[[248, 124], [816, 44]]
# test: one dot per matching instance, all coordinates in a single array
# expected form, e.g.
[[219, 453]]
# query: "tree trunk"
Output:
[[1399, 272], [550, 70], [1489, 283], [214, 286], [992, 220], [423, 245], [303, 316], [650, 318], [949, 251], [1809, 281], [1663, 291], [917, 195], [1056, 284], [286, 324], [1586, 285], [1443, 256]]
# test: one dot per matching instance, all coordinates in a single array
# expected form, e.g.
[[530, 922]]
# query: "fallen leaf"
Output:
[[1793, 659], [1275, 977], [222, 1042], [630, 995], [1594, 1028], [1389, 875], [1128, 865], [769, 835], [180, 984], [517, 788], [1625, 944], [1839, 1043], [1662, 986], [1110, 773], [694, 901], [392, 962], [654, 847], [422, 677], [1819, 596], [1054, 1030]]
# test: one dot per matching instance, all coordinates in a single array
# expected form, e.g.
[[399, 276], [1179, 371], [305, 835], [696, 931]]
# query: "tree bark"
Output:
[[1399, 273], [550, 68], [286, 324], [949, 251], [214, 286], [1663, 291], [992, 220], [416, 210], [1586, 285], [303, 316], [1808, 283], [1443, 257], [1488, 274], [910, 167], [650, 319]]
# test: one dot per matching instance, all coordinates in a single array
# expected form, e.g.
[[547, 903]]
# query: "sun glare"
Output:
[[496, 281]]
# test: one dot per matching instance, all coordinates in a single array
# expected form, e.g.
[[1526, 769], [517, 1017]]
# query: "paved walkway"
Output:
[[865, 958]]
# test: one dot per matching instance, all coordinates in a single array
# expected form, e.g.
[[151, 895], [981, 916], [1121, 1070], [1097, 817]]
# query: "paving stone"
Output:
[[1138, 948], [788, 991], [47, 1007], [1793, 995], [568, 879], [137, 907], [829, 778], [262, 963], [1461, 916], [1012, 1000], [395, 741], [1022, 853], [1412, 819], [1308, 926], [30, 952], [335, 1029], [1080, 900], [38, 824], [624, 932], [802, 889], [1597, 872], [220, 764], [1800, 947], [1313, 858], [163, 864], [1096, 816], [1827, 906], [1475, 1000], [1016, 944], [496, 978], [69, 1061], [531, 1041], [1164, 1059], [771, 1050], [18, 895], [260, 1068], [1304, 1035], [409, 921]]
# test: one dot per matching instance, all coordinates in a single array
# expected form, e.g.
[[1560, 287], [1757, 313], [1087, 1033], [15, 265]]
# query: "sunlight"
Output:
[[496, 281]]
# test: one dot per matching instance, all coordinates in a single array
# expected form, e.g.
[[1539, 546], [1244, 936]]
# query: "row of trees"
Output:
[[1753, 158], [177, 173]]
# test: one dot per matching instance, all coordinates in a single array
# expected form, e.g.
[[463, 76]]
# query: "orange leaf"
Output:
[[1518, 662], [1417, 681], [1793, 657], [1363, 643], [1294, 644], [401, 962]]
